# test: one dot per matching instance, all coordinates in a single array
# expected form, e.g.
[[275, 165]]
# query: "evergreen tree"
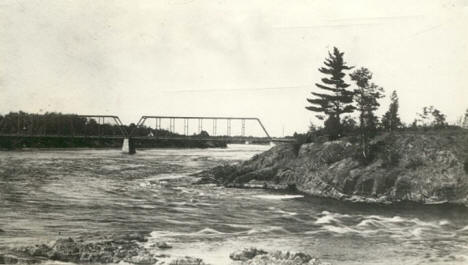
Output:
[[440, 120], [391, 120], [367, 95], [338, 99]]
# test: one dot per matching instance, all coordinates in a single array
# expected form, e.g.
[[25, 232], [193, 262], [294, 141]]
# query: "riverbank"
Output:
[[20, 142], [428, 168]]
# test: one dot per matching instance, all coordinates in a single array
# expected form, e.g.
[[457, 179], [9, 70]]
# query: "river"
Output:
[[47, 194]]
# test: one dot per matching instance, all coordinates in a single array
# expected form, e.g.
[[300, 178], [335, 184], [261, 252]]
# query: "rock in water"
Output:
[[142, 259], [41, 250], [246, 254], [79, 251], [163, 245], [66, 250], [187, 261], [255, 256]]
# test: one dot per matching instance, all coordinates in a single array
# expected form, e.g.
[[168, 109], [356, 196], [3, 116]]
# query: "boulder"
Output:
[[79, 251], [246, 254], [163, 245], [254, 256], [187, 261]]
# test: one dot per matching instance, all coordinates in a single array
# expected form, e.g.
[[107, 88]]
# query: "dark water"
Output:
[[49, 194]]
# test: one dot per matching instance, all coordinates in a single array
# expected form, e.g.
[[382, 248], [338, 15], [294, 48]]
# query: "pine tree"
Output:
[[366, 95], [391, 121], [338, 100], [440, 119]]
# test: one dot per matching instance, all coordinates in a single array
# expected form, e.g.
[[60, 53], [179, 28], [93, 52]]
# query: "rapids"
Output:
[[48, 194]]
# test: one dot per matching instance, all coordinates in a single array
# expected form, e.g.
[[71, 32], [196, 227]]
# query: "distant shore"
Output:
[[47, 142]]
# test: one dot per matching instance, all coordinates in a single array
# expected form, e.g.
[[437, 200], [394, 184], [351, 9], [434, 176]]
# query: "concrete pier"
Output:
[[128, 146]]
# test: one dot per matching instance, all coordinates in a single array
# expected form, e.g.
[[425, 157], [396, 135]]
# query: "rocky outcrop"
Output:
[[126, 249], [426, 168], [247, 254], [253, 256], [129, 251]]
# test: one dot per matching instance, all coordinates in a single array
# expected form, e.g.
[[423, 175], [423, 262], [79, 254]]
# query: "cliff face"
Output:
[[405, 167]]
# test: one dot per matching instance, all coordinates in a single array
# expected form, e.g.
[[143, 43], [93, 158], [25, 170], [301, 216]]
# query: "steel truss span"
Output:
[[200, 119]]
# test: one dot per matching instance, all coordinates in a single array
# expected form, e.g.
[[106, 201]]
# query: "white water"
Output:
[[49, 194]]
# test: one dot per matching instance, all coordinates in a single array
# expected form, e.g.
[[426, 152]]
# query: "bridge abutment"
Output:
[[128, 146]]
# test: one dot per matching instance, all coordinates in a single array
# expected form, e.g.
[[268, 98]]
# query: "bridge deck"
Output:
[[180, 138]]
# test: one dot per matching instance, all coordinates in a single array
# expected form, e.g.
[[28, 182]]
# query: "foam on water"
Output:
[[167, 176], [326, 219], [281, 211], [211, 232], [268, 229], [208, 231], [444, 222], [377, 226], [278, 197], [339, 229]]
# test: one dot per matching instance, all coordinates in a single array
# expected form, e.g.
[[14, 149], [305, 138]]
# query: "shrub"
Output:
[[300, 139]]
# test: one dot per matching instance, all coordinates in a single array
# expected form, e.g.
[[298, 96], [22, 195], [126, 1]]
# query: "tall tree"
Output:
[[391, 120], [337, 99], [367, 95]]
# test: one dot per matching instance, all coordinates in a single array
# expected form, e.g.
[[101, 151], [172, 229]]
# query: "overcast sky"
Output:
[[235, 58]]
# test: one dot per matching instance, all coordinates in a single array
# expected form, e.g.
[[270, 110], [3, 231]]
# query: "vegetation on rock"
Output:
[[338, 99], [367, 95]]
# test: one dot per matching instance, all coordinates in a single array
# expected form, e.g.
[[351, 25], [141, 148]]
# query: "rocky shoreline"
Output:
[[406, 167], [130, 249]]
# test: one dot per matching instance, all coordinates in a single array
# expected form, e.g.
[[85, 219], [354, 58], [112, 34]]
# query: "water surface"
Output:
[[49, 194]]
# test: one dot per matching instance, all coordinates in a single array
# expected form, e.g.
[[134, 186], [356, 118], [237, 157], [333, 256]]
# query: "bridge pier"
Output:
[[128, 146]]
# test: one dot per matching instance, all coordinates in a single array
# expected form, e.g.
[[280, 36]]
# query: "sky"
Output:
[[226, 58]]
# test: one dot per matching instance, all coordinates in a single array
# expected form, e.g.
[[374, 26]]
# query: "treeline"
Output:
[[59, 124], [53, 123], [335, 100]]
